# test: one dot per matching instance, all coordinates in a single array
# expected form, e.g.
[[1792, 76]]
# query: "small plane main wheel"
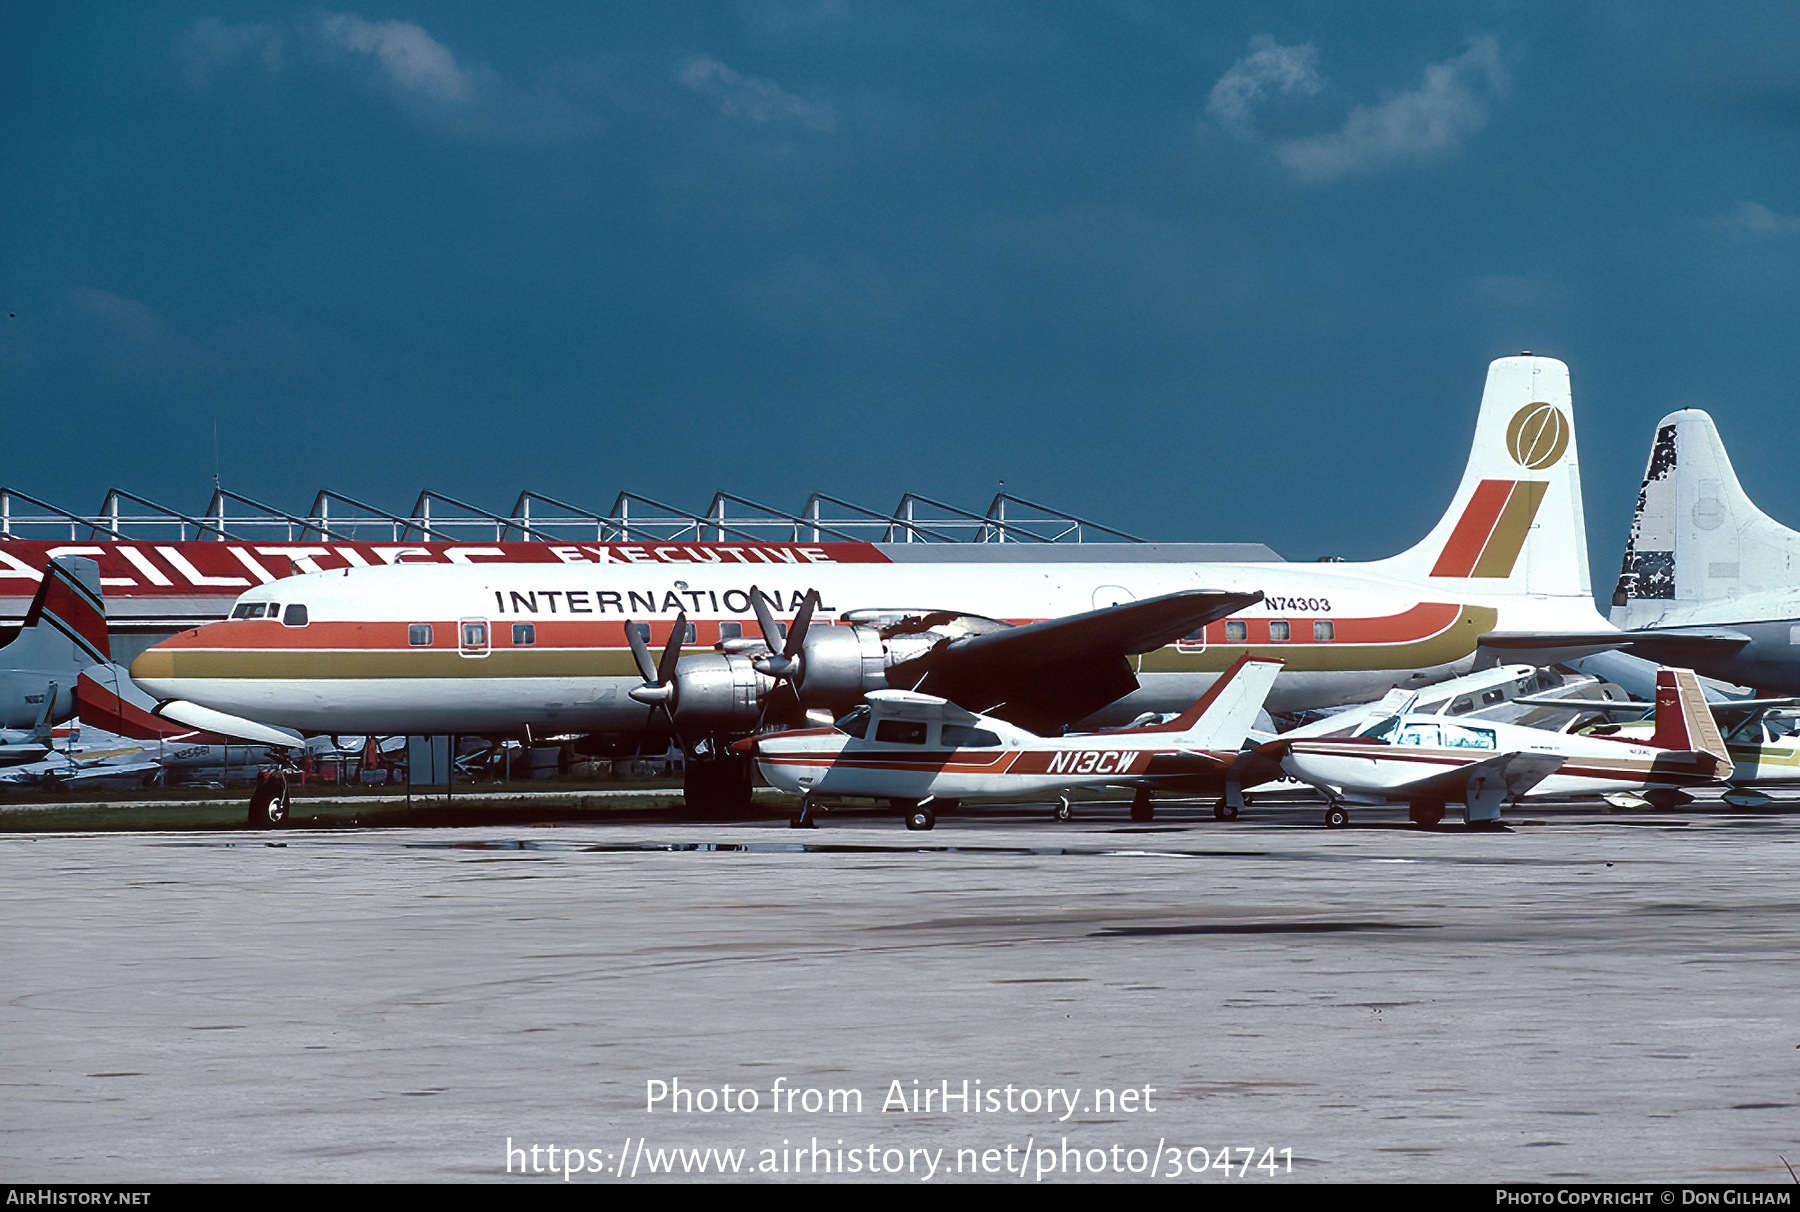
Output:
[[1337, 817], [1065, 811], [1425, 815], [808, 818], [1224, 812], [920, 818], [1141, 809]]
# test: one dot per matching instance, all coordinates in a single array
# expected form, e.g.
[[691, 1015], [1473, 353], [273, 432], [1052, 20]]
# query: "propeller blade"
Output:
[[797, 632], [665, 672], [641, 652], [766, 621]]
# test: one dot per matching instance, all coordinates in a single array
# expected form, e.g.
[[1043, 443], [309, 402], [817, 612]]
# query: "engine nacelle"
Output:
[[719, 692], [840, 665]]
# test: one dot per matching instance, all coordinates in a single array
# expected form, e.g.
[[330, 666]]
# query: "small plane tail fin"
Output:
[[1696, 536], [1224, 715], [66, 624], [1515, 525], [1684, 721]]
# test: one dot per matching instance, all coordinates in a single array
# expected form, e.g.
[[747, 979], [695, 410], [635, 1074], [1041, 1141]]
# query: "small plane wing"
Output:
[[1045, 675], [1518, 771]]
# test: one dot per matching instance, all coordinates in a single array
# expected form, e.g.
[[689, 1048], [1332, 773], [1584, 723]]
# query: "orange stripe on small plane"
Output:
[[1473, 528]]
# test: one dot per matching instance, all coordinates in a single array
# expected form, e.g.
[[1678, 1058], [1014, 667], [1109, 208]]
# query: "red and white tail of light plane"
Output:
[[925, 752], [1428, 761]]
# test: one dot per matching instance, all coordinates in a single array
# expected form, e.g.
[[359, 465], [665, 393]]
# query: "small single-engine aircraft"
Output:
[[1427, 762], [925, 753]]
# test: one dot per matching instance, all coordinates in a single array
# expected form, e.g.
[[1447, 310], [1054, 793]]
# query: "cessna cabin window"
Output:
[[524, 635], [1457, 737], [962, 736], [855, 724], [1425, 735], [295, 616], [901, 732], [1236, 632], [1278, 631], [418, 635]]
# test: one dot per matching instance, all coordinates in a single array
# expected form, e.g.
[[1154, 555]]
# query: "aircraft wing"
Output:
[[1518, 771], [1044, 675], [1664, 645]]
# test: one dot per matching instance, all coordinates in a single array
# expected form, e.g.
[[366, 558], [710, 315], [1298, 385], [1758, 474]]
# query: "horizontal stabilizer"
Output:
[[1665, 646], [196, 716]]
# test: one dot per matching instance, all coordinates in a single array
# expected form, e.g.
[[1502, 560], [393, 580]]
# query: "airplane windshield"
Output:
[[856, 723], [248, 610]]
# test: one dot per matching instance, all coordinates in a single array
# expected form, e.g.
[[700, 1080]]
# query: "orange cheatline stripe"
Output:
[[1473, 528]]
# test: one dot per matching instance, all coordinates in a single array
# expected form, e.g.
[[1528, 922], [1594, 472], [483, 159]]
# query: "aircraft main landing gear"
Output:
[[269, 802], [1337, 817], [1425, 814], [1141, 809], [1225, 811], [921, 816], [1065, 811]]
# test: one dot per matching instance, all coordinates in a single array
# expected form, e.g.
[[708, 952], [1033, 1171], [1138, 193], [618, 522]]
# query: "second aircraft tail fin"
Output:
[[1684, 721]]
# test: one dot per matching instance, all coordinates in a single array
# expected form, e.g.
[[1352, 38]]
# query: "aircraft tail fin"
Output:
[[1695, 536], [66, 625], [1515, 525], [1685, 722], [1224, 715]]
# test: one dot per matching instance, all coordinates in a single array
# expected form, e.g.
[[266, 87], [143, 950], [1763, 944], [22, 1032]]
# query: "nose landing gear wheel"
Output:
[[1065, 811], [269, 802], [1337, 817], [1224, 812], [920, 818], [808, 818]]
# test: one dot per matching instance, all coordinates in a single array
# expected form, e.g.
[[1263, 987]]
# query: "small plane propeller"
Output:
[[658, 689]]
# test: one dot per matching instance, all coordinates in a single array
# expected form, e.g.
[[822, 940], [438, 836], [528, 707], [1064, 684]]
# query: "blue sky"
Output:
[[1197, 271]]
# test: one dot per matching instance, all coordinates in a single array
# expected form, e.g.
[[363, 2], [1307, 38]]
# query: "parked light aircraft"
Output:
[[927, 754], [1426, 762], [1708, 579], [1022, 634]]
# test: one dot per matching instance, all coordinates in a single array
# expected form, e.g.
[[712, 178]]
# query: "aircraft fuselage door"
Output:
[[474, 637]]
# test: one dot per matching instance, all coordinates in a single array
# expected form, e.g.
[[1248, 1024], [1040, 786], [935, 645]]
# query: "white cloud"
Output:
[[1451, 103], [1756, 219], [1269, 67], [413, 60], [752, 97]]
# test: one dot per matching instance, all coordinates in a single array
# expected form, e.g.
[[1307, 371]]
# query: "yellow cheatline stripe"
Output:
[[1451, 644], [1508, 539]]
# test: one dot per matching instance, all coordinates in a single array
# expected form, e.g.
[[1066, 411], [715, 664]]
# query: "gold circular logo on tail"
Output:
[[1537, 435]]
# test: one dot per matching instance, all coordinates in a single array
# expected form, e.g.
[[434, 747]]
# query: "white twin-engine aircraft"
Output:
[[1091, 637]]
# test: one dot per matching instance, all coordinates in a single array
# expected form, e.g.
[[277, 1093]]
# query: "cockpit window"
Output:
[[962, 736], [295, 616], [856, 724], [248, 610]]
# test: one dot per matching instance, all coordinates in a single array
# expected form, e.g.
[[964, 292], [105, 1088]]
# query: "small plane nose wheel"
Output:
[[1337, 817], [808, 818], [1140, 806], [1223, 811], [1065, 811]]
